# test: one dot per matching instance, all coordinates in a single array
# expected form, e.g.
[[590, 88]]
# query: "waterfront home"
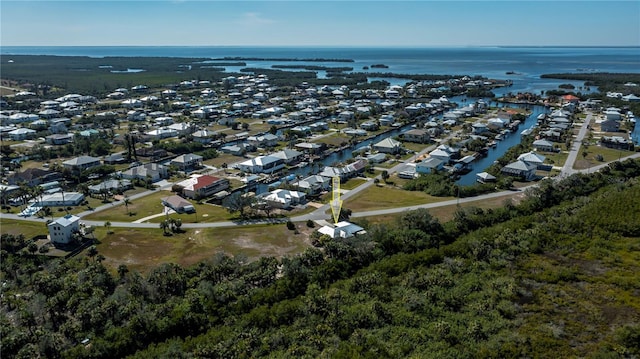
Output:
[[430, 165], [543, 146], [532, 158], [178, 204], [369, 126], [204, 136], [610, 125], [310, 148], [388, 145], [152, 171], [416, 135], [441, 154], [61, 230], [631, 98], [282, 198], [354, 132], [484, 177], [262, 164], [202, 186], [187, 162], [551, 134], [313, 184], [266, 140], [479, 128], [81, 163], [289, 156], [521, 169]]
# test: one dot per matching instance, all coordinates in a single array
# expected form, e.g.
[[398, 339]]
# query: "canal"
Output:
[[511, 139]]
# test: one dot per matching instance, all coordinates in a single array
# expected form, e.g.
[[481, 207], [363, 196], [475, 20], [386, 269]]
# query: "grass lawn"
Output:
[[28, 228], [334, 140], [205, 213], [353, 183], [144, 249], [382, 197], [223, 158], [412, 146], [556, 159], [445, 213], [139, 208], [608, 155]]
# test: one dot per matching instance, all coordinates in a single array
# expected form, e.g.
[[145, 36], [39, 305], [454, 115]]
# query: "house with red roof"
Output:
[[570, 98], [202, 186]]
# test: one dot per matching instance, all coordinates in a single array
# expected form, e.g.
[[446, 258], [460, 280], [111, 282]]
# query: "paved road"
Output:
[[567, 169], [320, 213]]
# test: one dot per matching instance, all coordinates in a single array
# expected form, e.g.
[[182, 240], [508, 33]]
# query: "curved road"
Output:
[[320, 213]]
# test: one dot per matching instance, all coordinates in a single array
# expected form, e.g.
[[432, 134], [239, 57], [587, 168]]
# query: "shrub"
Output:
[[310, 223], [290, 225]]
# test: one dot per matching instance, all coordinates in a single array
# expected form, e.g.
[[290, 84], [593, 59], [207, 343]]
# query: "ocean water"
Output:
[[526, 63]]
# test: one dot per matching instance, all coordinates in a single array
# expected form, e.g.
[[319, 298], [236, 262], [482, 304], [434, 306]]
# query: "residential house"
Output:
[[111, 185], [417, 136], [181, 128], [21, 134], [430, 165], [610, 125], [479, 128], [178, 204], [114, 159], [202, 186], [267, 140], [62, 229], [313, 184], [441, 154], [33, 177], [342, 230], [204, 136], [60, 199], [543, 146], [369, 126], [616, 142], [81, 163], [282, 198], [532, 158], [484, 177], [289, 156], [237, 150], [187, 162], [152, 171], [310, 148], [521, 169], [388, 145], [59, 139], [262, 164], [552, 135]]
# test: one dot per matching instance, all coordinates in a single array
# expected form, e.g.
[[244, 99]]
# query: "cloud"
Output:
[[254, 19]]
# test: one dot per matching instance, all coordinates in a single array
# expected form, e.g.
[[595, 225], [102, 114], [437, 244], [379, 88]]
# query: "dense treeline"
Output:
[[490, 283], [93, 76]]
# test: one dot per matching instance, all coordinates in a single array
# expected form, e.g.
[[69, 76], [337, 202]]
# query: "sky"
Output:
[[360, 23]]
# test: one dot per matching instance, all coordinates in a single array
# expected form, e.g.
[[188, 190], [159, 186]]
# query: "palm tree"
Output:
[[107, 225], [126, 202], [164, 225]]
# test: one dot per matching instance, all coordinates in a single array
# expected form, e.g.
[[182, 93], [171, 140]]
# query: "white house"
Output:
[[282, 198], [430, 165], [189, 161], [61, 230], [342, 230], [262, 164], [21, 134], [543, 145]]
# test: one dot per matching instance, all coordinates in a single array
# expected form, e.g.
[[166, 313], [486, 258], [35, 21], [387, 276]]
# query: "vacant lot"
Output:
[[143, 249], [382, 197]]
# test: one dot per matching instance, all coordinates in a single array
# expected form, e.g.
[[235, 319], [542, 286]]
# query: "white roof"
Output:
[[66, 221]]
